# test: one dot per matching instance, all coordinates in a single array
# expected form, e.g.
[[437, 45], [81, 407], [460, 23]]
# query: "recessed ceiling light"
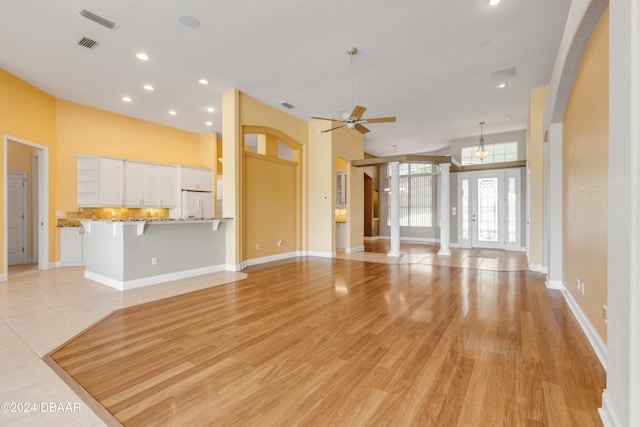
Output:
[[189, 21], [203, 81], [502, 85], [142, 56], [208, 123], [493, 2], [172, 112], [148, 87], [211, 109], [126, 99]]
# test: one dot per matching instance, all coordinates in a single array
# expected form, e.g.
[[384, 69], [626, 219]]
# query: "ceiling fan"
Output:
[[354, 119]]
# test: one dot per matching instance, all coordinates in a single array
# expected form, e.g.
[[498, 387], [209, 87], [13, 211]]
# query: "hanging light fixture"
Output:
[[481, 152]]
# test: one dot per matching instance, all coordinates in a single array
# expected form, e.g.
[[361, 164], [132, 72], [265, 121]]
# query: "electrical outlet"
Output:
[[604, 312], [582, 287], [257, 246], [154, 260], [578, 283], [279, 243]]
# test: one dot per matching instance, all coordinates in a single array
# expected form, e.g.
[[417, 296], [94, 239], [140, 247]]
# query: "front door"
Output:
[[487, 210], [490, 209]]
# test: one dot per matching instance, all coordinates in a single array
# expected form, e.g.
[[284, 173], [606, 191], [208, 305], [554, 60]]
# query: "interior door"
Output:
[[487, 210], [16, 218]]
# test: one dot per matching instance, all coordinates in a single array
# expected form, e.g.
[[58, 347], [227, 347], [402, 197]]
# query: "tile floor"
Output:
[[39, 311]]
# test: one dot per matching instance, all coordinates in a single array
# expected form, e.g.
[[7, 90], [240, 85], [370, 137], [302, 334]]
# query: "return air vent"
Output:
[[88, 43], [98, 19], [287, 105]]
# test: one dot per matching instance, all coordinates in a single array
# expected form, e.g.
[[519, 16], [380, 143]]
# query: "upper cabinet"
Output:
[[141, 184], [100, 181], [168, 182], [196, 179], [114, 182]]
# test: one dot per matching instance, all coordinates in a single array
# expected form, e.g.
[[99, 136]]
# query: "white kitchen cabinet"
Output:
[[71, 246], [141, 184], [100, 181], [168, 186], [341, 189], [196, 179]]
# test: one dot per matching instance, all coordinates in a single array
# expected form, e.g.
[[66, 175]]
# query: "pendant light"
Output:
[[481, 152]]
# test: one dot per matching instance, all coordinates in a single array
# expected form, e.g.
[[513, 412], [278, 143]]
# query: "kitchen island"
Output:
[[128, 254]]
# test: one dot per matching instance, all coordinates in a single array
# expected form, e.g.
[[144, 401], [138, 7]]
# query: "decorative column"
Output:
[[395, 210], [445, 226]]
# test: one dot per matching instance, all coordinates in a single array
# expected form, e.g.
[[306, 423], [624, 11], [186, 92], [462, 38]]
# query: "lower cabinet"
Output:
[[71, 246], [341, 235]]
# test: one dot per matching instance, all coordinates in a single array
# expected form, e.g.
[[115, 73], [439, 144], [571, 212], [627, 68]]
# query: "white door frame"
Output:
[[35, 195], [43, 204], [25, 209]]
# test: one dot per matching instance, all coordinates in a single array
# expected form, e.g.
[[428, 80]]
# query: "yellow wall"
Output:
[[270, 188], [66, 129], [348, 145], [20, 159], [585, 153], [86, 130], [320, 191], [243, 114], [535, 164], [30, 115]]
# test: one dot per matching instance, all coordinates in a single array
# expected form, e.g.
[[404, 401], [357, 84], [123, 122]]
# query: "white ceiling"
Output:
[[428, 62]]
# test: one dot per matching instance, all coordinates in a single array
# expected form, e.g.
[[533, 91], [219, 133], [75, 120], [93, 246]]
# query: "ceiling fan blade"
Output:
[[380, 120], [357, 112], [362, 129], [329, 130], [324, 118]]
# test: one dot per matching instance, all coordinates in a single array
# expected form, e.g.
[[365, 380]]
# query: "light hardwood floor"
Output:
[[320, 342]]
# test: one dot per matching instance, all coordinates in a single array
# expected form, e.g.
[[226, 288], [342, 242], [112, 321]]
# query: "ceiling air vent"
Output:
[[88, 43], [98, 19], [287, 105]]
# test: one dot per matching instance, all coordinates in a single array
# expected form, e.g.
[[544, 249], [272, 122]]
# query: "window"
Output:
[[498, 153], [416, 194]]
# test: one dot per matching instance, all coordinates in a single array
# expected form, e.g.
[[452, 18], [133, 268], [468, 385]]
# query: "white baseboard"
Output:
[[554, 284], [372, 237], [271, 258], [3, 277], [356, 249], [319, 254], [544, 270], [535, 267], [596, 342], [153, 280], [608, 413], [235, 267]]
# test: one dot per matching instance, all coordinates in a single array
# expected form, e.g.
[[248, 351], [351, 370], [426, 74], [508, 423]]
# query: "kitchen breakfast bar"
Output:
[[128, 254]]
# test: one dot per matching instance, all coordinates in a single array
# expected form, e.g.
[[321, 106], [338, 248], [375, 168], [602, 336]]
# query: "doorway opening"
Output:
[[26, 201]]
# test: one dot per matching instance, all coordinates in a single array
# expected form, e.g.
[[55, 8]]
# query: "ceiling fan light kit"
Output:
[[354, 119]]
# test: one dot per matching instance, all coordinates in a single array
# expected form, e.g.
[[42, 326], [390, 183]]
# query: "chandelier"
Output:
[[481, 152]]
